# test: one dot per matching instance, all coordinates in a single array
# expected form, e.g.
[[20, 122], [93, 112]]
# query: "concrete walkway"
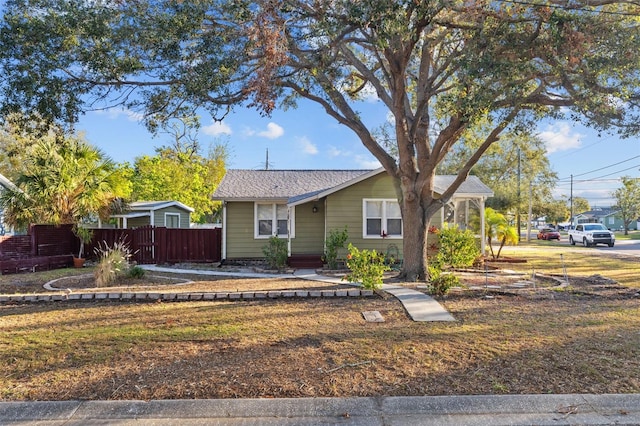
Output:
[[420, 306], [493, 410]]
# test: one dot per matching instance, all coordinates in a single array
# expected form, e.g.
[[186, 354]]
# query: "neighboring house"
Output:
[[593, 216], [171, 214], [304, 206], [614, 222]]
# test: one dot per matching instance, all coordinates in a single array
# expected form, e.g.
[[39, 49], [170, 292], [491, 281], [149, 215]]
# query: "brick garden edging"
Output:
[[183, 297]]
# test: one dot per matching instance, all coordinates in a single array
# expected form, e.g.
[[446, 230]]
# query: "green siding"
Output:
[[309, 235], [137, 222], [159, 216], [240, 231]]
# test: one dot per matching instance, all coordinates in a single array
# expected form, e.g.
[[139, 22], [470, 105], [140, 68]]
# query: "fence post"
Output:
[[161, 244]]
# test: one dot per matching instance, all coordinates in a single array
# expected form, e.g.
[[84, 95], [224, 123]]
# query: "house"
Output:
[[614, 221], [170, 214], [304, 206]]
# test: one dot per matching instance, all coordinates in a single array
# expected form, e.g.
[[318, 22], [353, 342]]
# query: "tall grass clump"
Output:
[[113, 263]]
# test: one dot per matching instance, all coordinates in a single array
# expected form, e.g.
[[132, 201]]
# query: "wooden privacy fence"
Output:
[[49, 247], [150, 244]]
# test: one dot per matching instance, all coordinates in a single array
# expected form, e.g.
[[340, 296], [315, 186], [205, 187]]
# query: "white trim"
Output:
[[224, 230], [383, 219], [291, 214], [167, 214], [148, 205]]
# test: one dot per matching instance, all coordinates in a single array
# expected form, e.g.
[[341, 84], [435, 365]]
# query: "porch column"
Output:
[[224, 230], [288, 231], [482, 226]]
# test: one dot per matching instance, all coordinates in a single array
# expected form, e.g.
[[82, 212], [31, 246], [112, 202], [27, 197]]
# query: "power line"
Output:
[[605, 167], [571, 9]]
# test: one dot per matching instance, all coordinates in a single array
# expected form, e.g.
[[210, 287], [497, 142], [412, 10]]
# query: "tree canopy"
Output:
[[182, 176], [63, 181], [441, 67], [628, 201]]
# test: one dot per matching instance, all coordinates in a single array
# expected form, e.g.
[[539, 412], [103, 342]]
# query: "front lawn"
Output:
[[576, 339]]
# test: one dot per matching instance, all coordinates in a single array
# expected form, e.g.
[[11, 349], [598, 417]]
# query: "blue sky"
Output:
[[307, 138]]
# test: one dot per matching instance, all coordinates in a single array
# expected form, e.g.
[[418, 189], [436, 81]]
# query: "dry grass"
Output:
[[583, 338]]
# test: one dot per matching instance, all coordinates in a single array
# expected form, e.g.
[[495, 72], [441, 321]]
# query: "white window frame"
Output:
[[384, 219], [166, 215], [274, 221]]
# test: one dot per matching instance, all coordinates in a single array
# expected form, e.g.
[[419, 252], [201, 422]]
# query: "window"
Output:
[[612, 220], [271, 219], [172, 220], [381, 218]]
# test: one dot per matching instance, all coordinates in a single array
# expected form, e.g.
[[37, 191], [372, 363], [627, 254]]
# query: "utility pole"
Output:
[[571, 205], [518, 202], [530, 211]]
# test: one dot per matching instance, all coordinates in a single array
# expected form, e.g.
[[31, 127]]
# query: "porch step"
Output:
[[305, 261]]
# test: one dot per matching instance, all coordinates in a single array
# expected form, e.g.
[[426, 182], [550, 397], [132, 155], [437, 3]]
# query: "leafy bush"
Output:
[[136, 272], [275, 253], [456, 249], [113, 262], [367, 267], [335, 241]]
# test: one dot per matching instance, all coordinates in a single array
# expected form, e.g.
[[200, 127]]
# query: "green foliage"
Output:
[[113, 262], [85, 235], [63, 181], [456, 248], [136, 272], [184, 176], [440, 282], [367, 267], [335, 241], [276, 253], [628, 201], [497, 226]]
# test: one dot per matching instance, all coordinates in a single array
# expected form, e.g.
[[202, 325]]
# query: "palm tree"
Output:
[[63, 182], [497, 226]]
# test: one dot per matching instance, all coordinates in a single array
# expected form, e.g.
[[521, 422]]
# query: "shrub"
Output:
[[335, 241], [367, 267], [136, 272], [275, 253], [456, 249], [113, 262]]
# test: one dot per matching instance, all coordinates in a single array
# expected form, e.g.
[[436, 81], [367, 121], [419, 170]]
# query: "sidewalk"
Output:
[[557, 410]]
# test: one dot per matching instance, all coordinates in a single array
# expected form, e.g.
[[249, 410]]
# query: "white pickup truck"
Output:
[[590, 234]]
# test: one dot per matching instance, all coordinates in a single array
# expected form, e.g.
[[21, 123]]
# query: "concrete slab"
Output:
[[463, 410], [419, 306]]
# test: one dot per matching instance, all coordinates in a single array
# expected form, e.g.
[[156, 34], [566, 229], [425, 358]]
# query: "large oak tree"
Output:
[[441, 67]]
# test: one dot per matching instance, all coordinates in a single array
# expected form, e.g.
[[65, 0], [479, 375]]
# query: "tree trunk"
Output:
[[414, 243]]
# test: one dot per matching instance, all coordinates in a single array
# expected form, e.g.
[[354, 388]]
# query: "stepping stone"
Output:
[[372, 316]]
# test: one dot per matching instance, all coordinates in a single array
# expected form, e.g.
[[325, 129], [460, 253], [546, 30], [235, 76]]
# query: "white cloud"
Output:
[[558, 137], [217, 128], [366, 162], [273, 131], [335, 152], [116, 113], [307, 146]]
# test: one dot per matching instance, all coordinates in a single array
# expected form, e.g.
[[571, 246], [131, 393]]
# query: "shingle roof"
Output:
[[280, 184], [295, 185], [472, 186]]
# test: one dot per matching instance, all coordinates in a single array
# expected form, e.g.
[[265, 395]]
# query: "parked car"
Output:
[[548, 234]]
